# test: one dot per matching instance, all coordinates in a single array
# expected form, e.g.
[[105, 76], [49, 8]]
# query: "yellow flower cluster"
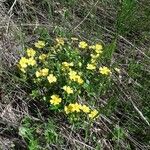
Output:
[[39, 44], [72, 70], [97, 49], [105, 70], [75, 107], [75, 77], [42, 72], [55, 100]]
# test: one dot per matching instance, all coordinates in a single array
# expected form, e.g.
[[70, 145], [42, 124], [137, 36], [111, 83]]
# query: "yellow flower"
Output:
[[94, 56], [38, 74], [67, 65], [76, 107], [23, 62], [79, 79], [30, 52], [93, 114], [22, 69], [40, 44], [98, 48], [42, 56], [83, 44], [68, 89], [44, 72], [51, 78], [90, 67], [85, 108], [60, 41], [92, 47], [73, 108], [31, 61], [55, 100], [67, 110], [75, 77], [104, 70], [72, 75]]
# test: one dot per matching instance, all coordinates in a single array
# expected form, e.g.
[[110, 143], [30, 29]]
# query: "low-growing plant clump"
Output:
[[67, 75]]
